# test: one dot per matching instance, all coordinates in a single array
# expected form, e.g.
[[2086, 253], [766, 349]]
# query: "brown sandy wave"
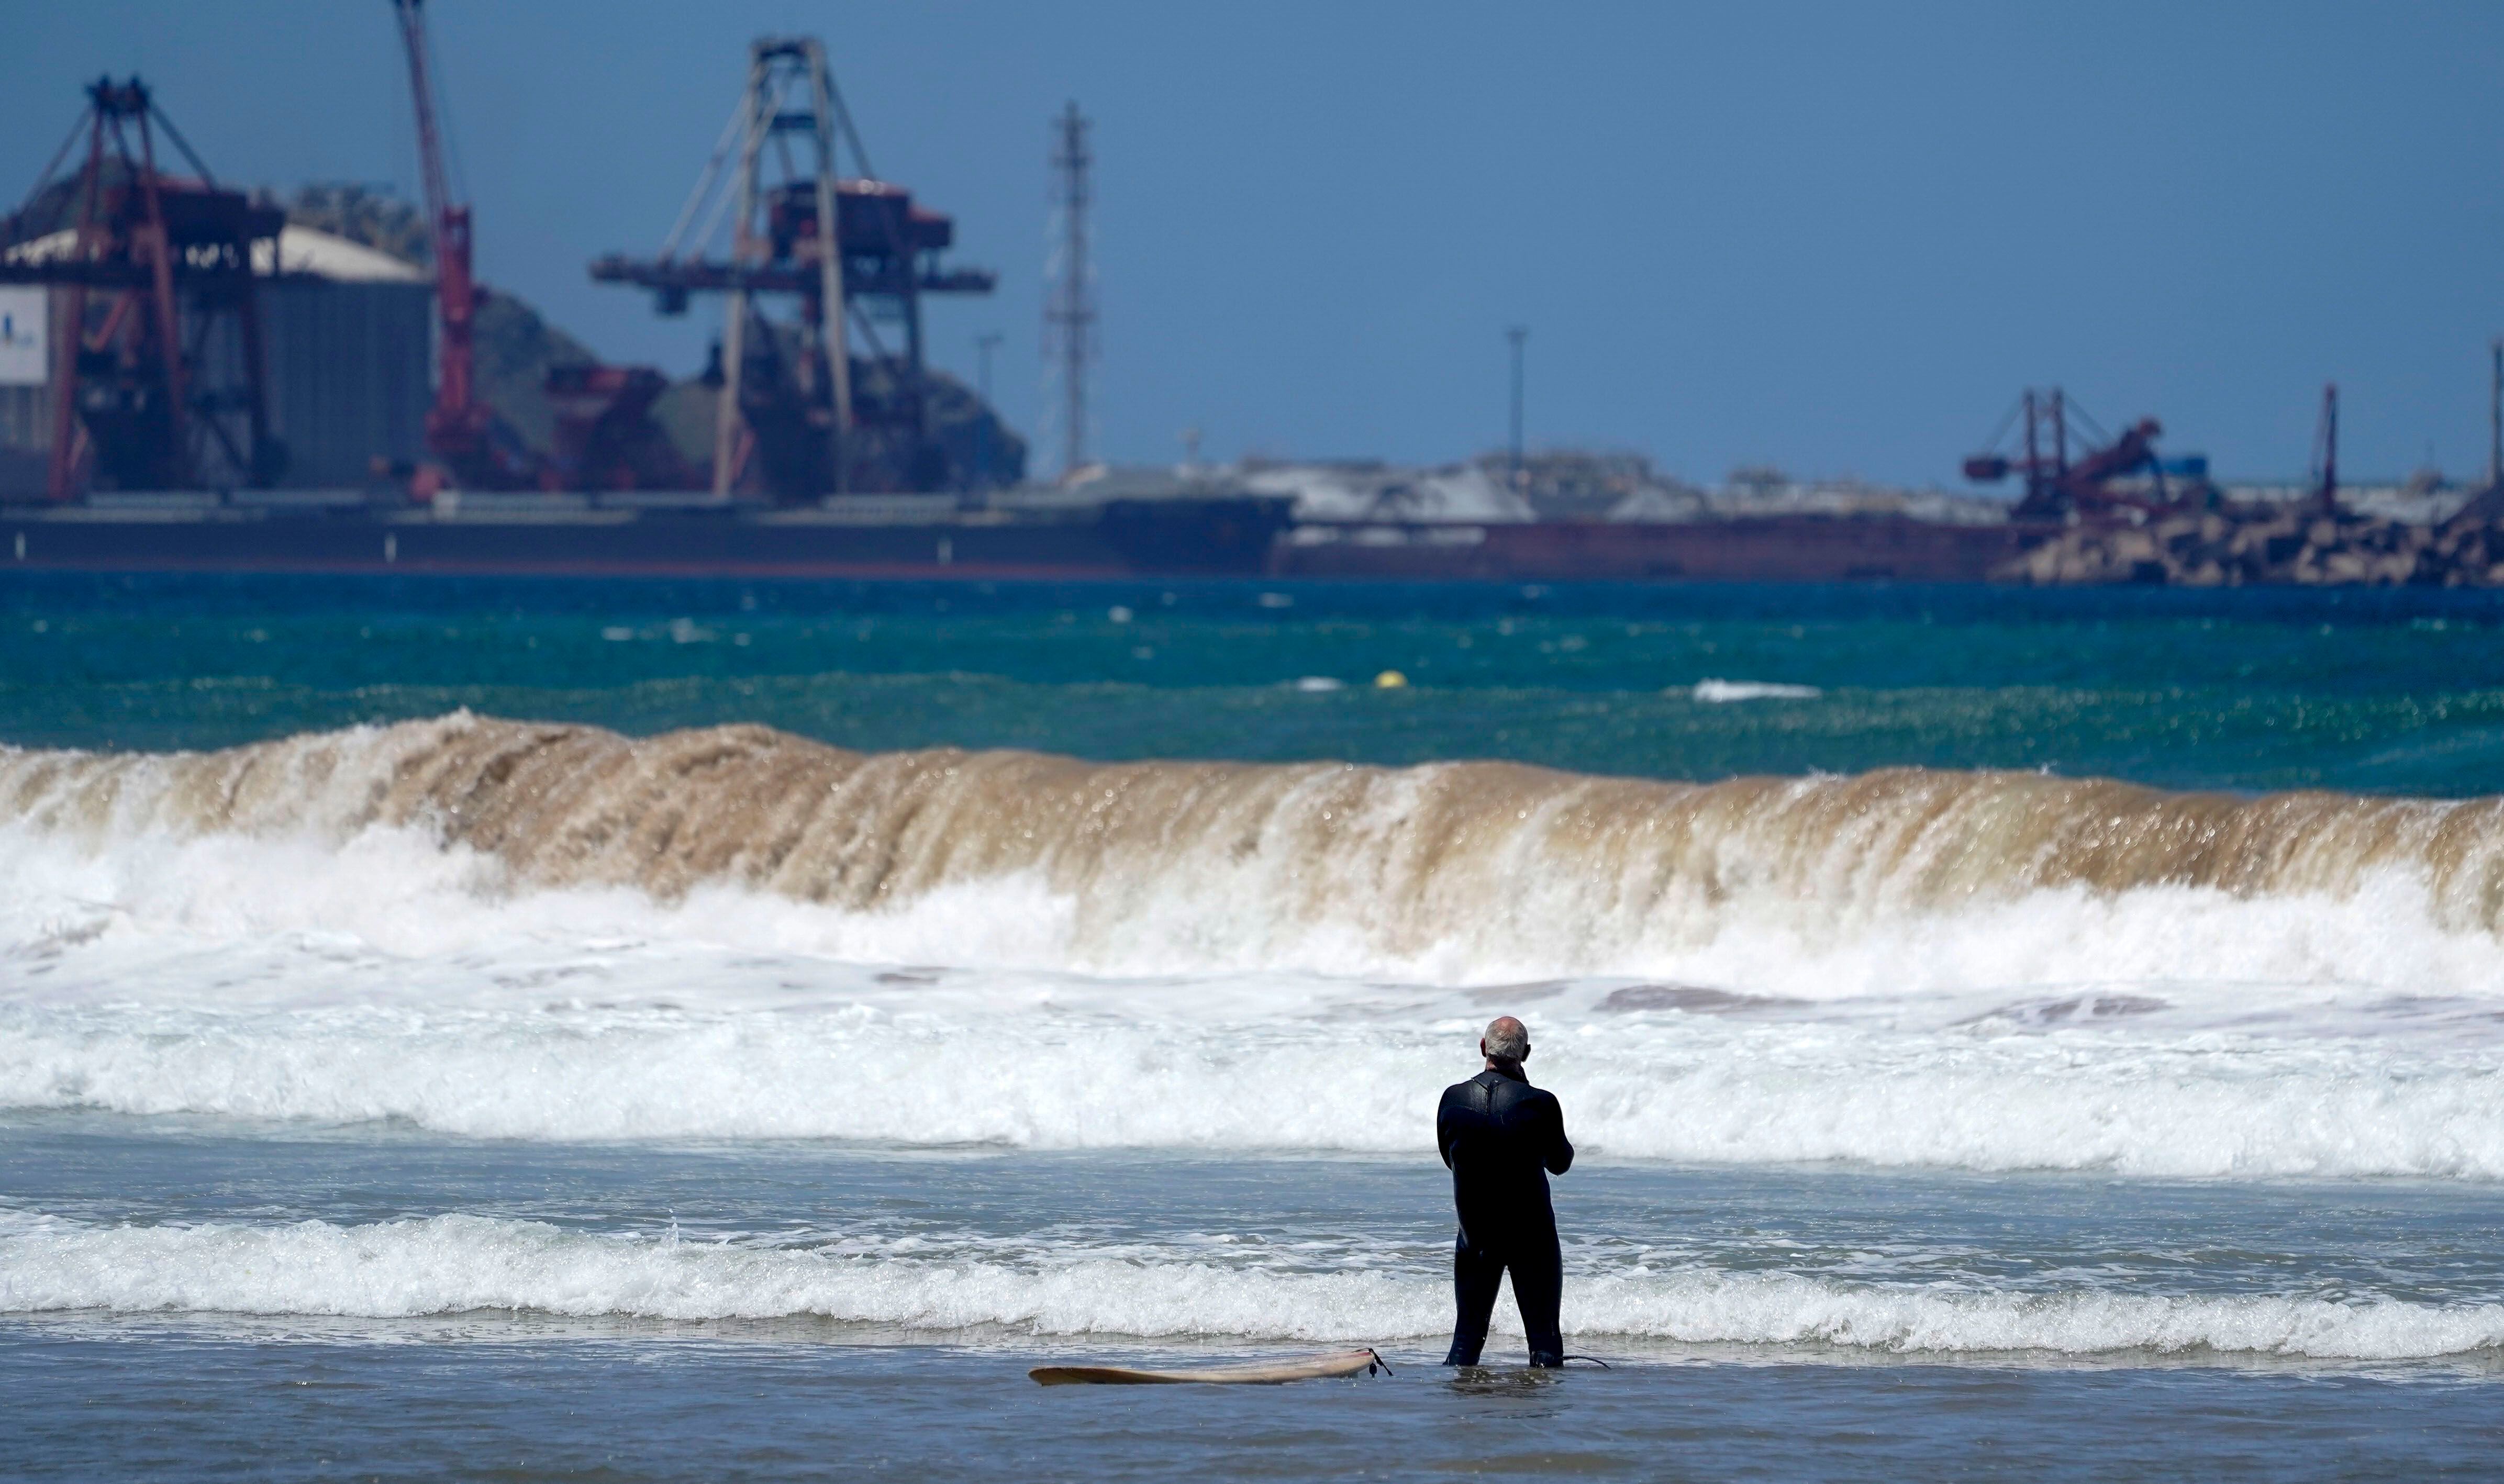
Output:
[[1401, 858]]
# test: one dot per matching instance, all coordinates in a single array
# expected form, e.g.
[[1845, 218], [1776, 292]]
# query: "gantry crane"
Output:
[[158, 381], [800, 415]]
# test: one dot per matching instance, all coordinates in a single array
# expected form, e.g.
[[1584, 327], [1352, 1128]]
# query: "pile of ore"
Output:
[[2233, 546], [1564, 484]]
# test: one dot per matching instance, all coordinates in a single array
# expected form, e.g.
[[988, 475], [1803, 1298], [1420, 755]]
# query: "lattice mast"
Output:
[[1069, 300]]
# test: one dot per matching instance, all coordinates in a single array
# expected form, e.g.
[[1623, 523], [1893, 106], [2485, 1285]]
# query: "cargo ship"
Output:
[[1203, 535], [560, 535]]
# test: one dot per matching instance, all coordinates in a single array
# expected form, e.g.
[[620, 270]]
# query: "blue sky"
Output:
[[1836, 238]]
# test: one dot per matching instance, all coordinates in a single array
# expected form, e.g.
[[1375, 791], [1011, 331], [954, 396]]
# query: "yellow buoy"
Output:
[[1390, 679]]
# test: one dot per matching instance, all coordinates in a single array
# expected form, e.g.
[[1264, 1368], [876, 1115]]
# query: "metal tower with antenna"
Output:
[[1069, 300]]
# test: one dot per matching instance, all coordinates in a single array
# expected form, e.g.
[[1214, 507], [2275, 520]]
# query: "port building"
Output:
[[347, 332]]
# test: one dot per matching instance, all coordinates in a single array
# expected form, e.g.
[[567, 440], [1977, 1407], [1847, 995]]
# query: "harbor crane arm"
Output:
[[457, 427]]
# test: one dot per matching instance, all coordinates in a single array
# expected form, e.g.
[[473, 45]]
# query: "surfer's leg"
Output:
[[1475, 1276], [1539, 1288]]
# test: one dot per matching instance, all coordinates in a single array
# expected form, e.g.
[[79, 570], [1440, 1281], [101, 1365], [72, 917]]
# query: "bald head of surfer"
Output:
[[1505, 1046], [1502, 1138]]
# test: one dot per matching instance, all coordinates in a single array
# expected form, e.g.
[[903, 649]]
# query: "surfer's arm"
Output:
[[1560, 1153], [1444, 1131]]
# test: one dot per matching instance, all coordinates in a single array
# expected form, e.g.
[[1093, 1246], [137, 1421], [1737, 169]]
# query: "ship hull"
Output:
[[1210, 537], [1764, 549], [1149, 538]]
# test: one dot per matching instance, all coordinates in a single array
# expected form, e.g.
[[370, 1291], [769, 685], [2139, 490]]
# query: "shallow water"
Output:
[[454, 1098], [654, 1407], [277, 1299]]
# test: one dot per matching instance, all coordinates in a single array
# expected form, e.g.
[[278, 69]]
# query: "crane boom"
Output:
[[456, 426]]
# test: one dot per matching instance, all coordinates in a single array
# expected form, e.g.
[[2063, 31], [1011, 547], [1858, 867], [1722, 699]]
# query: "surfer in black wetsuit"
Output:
[[1503, 1138]]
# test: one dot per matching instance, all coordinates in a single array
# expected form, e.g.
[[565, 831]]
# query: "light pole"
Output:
[[984, 345], [1516, 334]]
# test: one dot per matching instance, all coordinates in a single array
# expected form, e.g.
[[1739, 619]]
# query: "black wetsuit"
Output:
[[1503, 1138]]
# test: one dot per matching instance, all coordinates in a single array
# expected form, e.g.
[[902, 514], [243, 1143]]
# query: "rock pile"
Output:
[[2302, 545]]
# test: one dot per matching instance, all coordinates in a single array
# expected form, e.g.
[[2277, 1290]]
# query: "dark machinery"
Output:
[[2090, 484], [801, 415], [159, 373], [606, 437]]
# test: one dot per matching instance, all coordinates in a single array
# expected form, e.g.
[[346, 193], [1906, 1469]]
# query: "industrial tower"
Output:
[[1069, 299], [158, 377], [797, 415]]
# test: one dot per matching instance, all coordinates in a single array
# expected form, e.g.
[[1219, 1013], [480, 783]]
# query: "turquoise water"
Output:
[[2376, 692]]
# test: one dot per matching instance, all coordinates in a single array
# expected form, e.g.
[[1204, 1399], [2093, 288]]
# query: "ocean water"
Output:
[[656, 1030]]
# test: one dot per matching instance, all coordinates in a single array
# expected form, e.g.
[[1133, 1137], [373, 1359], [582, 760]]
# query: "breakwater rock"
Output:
[[2231, 548]]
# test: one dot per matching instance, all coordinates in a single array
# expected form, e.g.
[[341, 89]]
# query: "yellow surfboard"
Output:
[[1343, 1362]]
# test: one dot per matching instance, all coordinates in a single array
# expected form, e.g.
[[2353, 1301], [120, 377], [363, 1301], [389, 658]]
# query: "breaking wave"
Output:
[[1447, 872], [461, 1264], [509, 930]]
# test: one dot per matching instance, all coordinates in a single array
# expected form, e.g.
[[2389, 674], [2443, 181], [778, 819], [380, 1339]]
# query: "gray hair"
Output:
[[1508, 1038]]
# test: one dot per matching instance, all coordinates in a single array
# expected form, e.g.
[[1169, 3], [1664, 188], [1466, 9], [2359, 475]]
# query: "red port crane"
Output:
[[461, 429], [2059, 484], [604, 433]]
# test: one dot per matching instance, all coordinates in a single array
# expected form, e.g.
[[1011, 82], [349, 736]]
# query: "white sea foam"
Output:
[[388, 979], [458, 1264], [638, 1045], [1717, 691]]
